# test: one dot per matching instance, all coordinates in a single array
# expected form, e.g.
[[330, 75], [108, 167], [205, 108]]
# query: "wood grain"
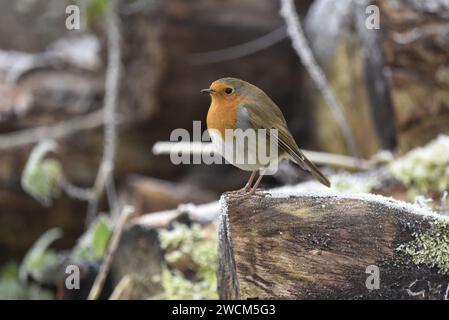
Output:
[[308, 247]]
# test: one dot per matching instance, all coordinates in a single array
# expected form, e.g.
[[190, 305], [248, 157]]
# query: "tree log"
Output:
[[319, 247], [392, 81], [139, 259], [415, 42], [152, 195]]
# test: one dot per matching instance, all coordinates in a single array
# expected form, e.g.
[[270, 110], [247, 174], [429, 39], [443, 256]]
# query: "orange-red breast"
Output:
[[237, 104]]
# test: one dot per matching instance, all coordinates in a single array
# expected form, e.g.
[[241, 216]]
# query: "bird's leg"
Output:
[[247, 186], [253, 189]]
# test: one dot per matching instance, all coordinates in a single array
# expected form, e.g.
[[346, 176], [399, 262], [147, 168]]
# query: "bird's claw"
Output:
[[251, 192]]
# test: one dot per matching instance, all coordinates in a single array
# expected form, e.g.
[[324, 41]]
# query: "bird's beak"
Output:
[[210, 91]]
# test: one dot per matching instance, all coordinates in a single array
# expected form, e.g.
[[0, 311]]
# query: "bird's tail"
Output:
[[301, 160]]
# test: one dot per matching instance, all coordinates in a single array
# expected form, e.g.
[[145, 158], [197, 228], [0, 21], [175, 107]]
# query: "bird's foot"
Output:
[[258, 192], [243, 190], [248, 191]]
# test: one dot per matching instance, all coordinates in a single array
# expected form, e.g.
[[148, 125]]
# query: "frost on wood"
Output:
[[313, 245], [227, 281]]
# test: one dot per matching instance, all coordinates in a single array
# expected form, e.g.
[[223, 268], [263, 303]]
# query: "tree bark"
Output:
[[392, 81], [415, 38]]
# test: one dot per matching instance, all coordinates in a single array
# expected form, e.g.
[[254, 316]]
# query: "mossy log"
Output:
[[327, 246]]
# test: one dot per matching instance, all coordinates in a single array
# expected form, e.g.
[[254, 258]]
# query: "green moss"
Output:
[[12, 288], [425, 170], [198, 246], [430, 248], [178, 287]]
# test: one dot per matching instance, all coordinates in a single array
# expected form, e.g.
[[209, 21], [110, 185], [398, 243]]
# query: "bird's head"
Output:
[[228, 90]]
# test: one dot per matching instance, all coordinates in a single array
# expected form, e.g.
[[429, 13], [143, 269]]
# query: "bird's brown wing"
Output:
[[271, 117]]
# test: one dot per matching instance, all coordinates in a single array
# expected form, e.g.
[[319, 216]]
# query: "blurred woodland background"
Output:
[[80, 111]]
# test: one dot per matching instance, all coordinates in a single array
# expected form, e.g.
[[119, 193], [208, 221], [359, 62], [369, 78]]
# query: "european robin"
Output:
[[237, 104]]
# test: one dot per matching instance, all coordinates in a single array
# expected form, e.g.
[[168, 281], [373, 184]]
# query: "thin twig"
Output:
[[338, 160], [112, 247], [74, 191], [122, 289], [112, 87], [26, 137], [299, 42], [240, 50], [111, 194]]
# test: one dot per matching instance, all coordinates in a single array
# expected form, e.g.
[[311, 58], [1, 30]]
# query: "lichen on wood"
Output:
[[431, 247]]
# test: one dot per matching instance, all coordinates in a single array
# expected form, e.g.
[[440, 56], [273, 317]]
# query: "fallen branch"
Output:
[[203, 213], [322, 158]]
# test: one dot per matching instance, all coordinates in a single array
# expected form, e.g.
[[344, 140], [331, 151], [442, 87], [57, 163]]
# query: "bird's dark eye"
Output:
[[229, 90]]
